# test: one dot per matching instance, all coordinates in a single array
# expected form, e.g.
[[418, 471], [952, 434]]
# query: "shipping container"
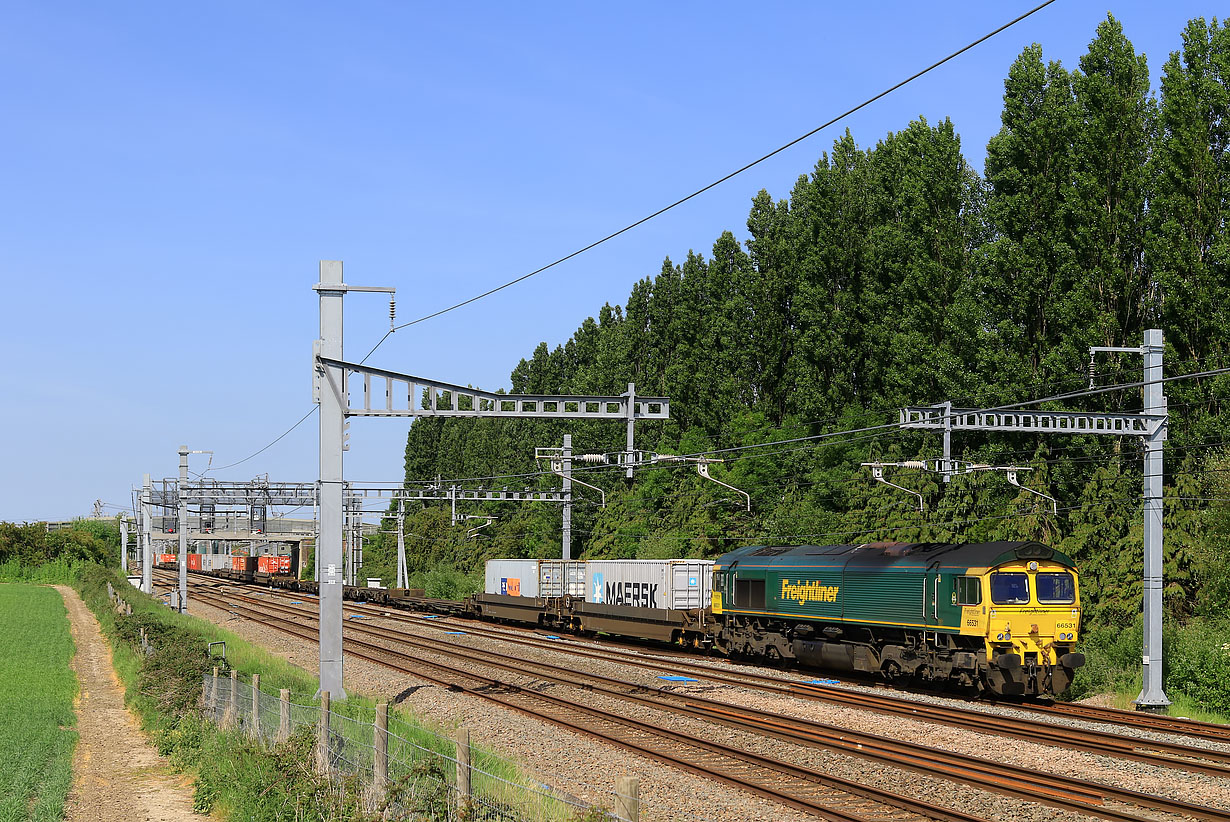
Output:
[[243, 563], [215, 562], [194, 562], [557, 577], [273, 564], [672, 584], [512, 577], [168, 559]]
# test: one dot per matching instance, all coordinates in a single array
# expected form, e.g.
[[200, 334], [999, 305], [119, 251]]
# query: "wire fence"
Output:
[[412, 772]]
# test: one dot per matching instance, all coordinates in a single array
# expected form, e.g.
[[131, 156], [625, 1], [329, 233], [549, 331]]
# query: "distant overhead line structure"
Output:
[[402, 393]]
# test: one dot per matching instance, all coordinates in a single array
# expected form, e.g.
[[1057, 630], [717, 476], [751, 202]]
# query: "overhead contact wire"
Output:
[[720, 180]]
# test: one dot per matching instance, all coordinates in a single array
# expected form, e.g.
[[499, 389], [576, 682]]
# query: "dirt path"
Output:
[[117, 774]]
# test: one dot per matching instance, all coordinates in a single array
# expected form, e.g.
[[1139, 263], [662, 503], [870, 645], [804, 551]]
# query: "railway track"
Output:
[[1154, 752], [1057, 791], [1136, 719], [825, 796]]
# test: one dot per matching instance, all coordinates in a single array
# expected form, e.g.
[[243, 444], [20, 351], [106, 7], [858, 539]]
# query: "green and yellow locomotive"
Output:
[[999, 616]]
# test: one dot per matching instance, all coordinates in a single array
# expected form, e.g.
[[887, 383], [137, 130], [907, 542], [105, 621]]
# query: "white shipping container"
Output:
[[673, 584], [512, 577], [557, 578], [215, 562]]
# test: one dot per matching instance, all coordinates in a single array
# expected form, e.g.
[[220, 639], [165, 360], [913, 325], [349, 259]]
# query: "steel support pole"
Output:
[[330, 381], [631, 437], [124, 543], [567, 475], [403, 580], [147, 538], [181, 492], [947, 406], [1152, 697]]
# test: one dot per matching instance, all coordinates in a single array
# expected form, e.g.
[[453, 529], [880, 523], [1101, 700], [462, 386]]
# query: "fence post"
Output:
[[628, 798], [322, 735], [232, 706], [380, 764], [284, 715], [463, 762], [256, 706]]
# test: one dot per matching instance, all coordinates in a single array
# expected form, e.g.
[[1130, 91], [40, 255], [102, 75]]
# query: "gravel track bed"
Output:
[[1161, 781], [578, 765], [1195, 788]]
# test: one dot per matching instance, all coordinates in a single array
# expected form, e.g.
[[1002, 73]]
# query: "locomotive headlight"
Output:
[[1076, 612], [1033, 566]]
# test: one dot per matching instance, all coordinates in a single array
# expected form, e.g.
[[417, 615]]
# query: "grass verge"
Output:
[[37, 689], [235, 777]]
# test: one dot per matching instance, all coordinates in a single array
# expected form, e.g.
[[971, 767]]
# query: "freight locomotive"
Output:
[[1000, 617]]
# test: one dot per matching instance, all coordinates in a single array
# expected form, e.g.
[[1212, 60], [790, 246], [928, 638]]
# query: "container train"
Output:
[[999, 618]]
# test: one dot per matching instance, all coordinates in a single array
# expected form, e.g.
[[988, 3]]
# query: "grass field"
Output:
[[37, 688]]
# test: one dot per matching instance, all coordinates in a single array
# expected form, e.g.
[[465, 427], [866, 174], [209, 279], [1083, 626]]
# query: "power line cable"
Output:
[[267, 447], [719, 181]]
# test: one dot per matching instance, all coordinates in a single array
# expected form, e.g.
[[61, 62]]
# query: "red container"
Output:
[[194, 562], [168, 559], [243, 563], [273, 564]]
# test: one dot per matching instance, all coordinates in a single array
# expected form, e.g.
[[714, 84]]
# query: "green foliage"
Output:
[[37, 689], [446, 583], [1197, 663], [1196, 667], [235, 778], [893, 275], [57, 571], [32, 545]]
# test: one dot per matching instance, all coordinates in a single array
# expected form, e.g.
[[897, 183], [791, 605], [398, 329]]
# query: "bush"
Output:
[[445, 583], [1112, 662], [56, 572], [1197, 664]]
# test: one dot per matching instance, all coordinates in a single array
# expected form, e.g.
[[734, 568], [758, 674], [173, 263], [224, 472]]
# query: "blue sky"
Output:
[[174, 172]]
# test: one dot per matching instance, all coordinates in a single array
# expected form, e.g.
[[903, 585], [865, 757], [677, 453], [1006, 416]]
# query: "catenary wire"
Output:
[[720, 180], [267, 447]]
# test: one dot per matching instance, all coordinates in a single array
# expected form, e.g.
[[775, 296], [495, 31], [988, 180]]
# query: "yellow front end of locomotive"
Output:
[[1033, 612]]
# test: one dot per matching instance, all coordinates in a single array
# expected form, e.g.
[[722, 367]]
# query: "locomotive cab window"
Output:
[[968, 590], [749, 593], [1010, 588], [1056, 589]]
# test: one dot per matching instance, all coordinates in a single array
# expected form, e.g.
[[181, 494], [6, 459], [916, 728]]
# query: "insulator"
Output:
[[596, 459], [392, 313]]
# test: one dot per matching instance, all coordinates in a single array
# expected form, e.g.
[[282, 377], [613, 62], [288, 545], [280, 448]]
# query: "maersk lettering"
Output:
[[807, 590], [635, 594]]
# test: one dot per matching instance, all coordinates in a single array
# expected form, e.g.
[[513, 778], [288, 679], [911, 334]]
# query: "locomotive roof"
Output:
[[973, 554]]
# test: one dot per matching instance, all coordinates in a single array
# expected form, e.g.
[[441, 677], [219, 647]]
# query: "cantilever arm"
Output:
[[557, 467], [1012, 478], [877, 473], [703, 469]]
